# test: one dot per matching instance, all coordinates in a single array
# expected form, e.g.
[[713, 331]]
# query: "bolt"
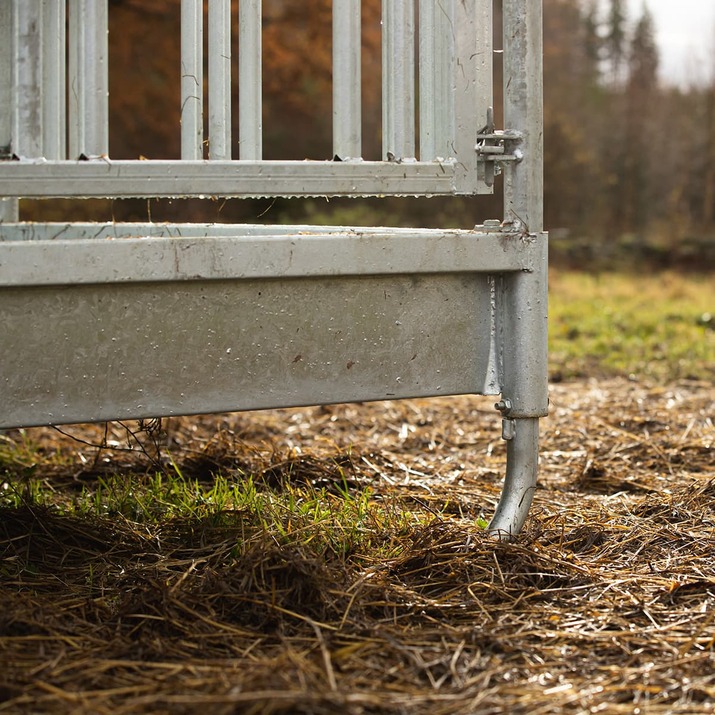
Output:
[[503, 406]]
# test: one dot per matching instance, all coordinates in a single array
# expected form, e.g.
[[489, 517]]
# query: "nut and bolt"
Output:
[[503, 406]]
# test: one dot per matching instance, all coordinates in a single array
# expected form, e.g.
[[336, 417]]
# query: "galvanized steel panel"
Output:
[[126, 321], [455, 76], [140, 350]]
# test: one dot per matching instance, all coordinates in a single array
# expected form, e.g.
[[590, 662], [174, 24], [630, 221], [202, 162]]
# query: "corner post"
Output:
[[522, 296]]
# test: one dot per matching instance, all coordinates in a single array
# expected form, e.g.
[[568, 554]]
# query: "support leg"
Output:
[[522, 458]]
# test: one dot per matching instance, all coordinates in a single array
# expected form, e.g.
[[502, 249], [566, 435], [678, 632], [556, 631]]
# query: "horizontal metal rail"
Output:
[[176, 178], [53, 230], [87, 261]]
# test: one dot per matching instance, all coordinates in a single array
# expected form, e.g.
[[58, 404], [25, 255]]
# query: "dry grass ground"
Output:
[[350, 573]]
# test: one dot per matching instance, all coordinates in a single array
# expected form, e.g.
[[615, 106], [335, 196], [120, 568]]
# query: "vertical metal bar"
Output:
[[523, 296], [525, 358], [523, 110], [250, 77], [347, 119], [8, 207], [75, 98], [192, 79], [437, 67], [6, 78], [398, 79], [88, 78], [97, 78], [474, 78], [27, 80], [219, 79], [54, 79]]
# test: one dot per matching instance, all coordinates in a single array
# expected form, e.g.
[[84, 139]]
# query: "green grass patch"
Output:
[[331, 523], [658, 327]]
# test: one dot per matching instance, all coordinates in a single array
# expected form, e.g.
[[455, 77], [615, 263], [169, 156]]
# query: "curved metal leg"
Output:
[[522, 459]]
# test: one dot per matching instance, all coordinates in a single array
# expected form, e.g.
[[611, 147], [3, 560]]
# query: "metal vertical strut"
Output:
[[88, 89], [219, 79], [250, 122], [192, 79], [398, 80], [347, 108], [523, 295], [8, 206]]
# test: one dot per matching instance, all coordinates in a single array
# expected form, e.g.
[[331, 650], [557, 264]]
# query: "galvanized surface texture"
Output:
[[66, 260], [522, 313], [102, 177], [138, 350]]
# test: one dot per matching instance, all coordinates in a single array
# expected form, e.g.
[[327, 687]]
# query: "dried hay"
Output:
[[605, 603]]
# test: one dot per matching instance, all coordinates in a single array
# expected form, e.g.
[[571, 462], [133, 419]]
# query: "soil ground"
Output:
[[605, 603]]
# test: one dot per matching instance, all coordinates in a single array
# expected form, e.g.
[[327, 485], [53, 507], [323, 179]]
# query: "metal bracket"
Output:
[[495, 147], [508, 426]]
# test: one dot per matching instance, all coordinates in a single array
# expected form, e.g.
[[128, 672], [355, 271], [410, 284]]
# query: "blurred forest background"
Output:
[[629, 161]]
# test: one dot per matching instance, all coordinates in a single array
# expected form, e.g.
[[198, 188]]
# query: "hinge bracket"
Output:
[[497, 146]]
